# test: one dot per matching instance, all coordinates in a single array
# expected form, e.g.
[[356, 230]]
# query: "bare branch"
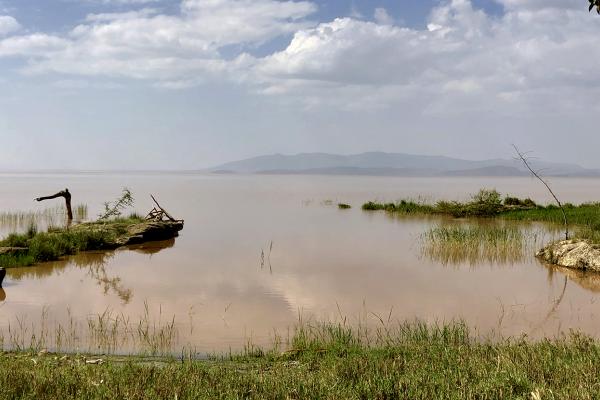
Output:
[[536, 174]]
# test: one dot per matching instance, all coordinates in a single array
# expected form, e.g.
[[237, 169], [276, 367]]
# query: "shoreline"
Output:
[[325, 361]]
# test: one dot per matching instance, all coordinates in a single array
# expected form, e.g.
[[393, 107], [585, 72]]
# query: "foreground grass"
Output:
[[411, 361], [51, 245]]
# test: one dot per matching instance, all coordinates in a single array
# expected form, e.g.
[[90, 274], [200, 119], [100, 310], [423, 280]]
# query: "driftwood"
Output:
[[65, 193], [159, 214]]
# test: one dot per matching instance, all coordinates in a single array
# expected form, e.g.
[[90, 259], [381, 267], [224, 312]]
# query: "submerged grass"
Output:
[[473, 244], [106, 333], [409, 360]]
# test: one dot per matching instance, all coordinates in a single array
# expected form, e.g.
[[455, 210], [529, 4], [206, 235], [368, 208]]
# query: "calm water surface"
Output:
[[259, 252]]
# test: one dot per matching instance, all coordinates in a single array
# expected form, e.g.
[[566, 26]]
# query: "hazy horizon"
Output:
[[192, 84], [215, 167]]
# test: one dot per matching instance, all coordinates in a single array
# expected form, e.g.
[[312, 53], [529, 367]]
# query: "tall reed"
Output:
[[473, 244], [20, 221]]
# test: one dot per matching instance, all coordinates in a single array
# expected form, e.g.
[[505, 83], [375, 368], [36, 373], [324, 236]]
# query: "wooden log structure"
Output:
[[67, 196], [159, 214]]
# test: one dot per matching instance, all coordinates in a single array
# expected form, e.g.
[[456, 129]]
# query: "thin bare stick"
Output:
[[523, 158], [163, 210]]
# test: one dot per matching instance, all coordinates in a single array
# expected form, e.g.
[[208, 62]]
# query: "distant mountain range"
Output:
[[394, 164]]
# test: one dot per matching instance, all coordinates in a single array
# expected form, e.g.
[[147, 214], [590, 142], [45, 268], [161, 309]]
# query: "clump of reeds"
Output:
[[402, 207], [458, 243], [344, 206], [107, 333], [19, 221]]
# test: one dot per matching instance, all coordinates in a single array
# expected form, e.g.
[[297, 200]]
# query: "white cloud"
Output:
[[107, 17], [541, 4], [383, 17], [146, 45], [8, 25], [530, 59], [521, 62], [122, 2], [37, 45]]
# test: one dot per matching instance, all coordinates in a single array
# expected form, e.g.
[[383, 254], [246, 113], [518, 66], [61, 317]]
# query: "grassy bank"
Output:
[[411, 361], [34, 247], [489, 204]]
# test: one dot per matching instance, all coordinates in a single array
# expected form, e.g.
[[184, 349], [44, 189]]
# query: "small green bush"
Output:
[[515, 201], [490, 197], [372, 206]]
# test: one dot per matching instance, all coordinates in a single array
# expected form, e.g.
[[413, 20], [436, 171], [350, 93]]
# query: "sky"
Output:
[[190, 84]]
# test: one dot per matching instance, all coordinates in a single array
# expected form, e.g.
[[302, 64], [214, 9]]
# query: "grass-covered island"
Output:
[[581, 223], [32, 247], [490, 204], [409, 361]]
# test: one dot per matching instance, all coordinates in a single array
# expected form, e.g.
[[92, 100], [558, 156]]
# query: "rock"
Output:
[[575, 253], [2, 275], [150, 231]]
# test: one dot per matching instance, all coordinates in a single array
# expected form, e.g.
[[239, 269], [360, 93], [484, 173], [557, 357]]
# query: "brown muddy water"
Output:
[[260, 253]]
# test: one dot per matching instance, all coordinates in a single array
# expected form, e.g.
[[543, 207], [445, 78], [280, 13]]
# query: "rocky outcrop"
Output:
[[119, 234], [575, 253], [150, 231]]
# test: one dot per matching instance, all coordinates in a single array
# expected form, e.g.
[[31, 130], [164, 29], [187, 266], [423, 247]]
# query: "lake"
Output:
[[260, 253]]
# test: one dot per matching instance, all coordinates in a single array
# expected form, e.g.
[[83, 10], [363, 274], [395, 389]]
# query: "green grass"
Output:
[[587, 214], [474, 244], [586, 217], [402, 206], [408, 361], [344, 206], [56, 243], [53, 245], [22, 220]]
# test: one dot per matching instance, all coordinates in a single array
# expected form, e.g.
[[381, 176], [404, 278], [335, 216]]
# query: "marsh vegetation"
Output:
[[54, 217], [109, 332], [478, 243], [34, 247], [407, 360], [489, 204]]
